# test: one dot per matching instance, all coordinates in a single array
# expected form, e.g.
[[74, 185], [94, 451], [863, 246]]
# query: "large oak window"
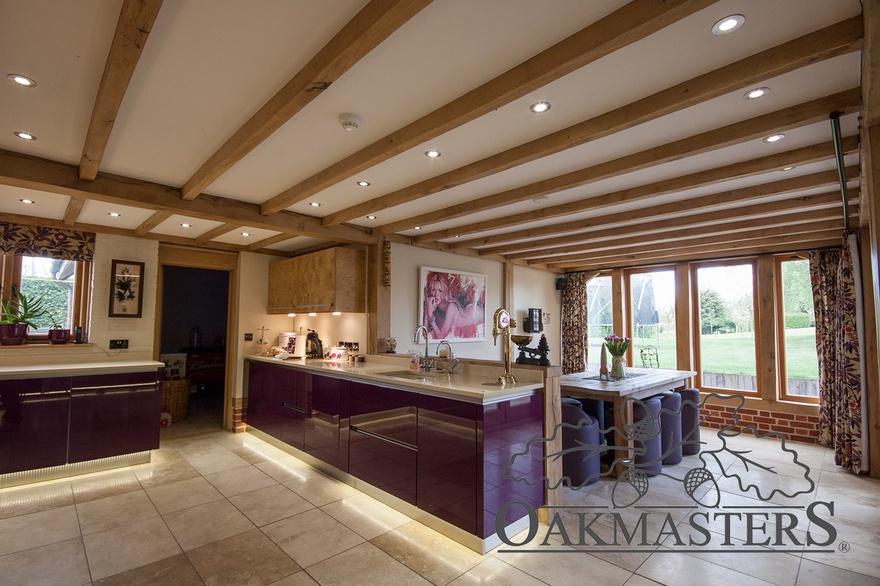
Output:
[[651, 296], [796, 325]]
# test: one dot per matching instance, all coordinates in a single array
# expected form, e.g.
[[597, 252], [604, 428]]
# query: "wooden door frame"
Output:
[[196, 258]]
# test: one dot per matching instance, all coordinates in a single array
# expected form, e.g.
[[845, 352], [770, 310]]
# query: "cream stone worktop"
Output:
[[471, 382], [77, 369]]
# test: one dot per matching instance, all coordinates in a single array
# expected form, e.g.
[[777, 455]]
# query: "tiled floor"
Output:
[[219, 508]]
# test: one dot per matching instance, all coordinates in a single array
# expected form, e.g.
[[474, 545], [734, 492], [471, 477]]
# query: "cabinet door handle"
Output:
[[134, 386], [398, 443], [293, 408]]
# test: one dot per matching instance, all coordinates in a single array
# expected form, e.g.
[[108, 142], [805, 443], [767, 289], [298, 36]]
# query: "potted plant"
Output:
[[17, 314], [57, 333]]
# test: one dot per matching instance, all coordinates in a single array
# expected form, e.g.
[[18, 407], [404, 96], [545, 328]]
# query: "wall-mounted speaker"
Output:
[[561, 283]]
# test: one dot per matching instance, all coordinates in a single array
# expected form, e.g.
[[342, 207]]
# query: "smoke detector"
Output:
[[350, 122]]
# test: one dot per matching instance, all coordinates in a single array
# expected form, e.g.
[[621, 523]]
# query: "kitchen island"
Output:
[[429, 444]]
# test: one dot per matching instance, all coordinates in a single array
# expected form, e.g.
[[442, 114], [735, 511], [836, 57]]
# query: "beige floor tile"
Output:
[[104, 484], [247, 558], [215, 461], [270, 504], [37, 529], [198, 526], [813, 573], [858, 558], [365, 515], [165, 473], [287, 469], [319, 489], [636, 580], [175, 570], [301, 578], [682, 569], [429, 554], [162, 455], [32, 499], [494, 572], [106, 513], [240, 480], [364, 564], [58, 564], [776, 568], [183, 494], [565, 565], [311, 537], [130, 546]]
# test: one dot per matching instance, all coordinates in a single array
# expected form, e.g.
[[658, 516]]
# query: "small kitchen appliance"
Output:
[[314, 345]]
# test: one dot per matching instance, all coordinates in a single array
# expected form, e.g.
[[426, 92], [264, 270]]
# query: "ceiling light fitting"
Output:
[[315, 204], [432, 154], [350, 122], [26, 200], [728, 24], [364, 183], [539, 107], [417, 228], [185, 225], [22, 80], [540, 199], [371, 217], [25, 135], [114, 214], [773, 138], [245, 234], [758, 92], [789, 168]]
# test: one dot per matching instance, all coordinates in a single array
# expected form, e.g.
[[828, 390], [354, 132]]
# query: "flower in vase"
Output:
[[616, 345]]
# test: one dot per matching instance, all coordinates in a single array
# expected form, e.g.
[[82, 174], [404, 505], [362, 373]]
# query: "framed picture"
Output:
[[126, 288], [452, 304]]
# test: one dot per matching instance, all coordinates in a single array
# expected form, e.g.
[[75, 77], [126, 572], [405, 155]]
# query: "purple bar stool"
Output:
[[646, 436], [580, 466], [690, 421], [670, 428]]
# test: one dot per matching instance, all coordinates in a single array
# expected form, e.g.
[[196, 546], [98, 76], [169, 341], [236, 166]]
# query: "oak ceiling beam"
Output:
[[29, 172], [611, 244], [786, 211], [132, 30], [151, 222], [363, 33], [74, 207], [711, 253], [632, 22], [744, 195], [723, 243], [217, 231], [269, 241], [838, 39], [871, 63]]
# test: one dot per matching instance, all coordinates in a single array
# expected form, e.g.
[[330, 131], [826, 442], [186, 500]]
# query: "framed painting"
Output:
[[452, 304], [126, 288]]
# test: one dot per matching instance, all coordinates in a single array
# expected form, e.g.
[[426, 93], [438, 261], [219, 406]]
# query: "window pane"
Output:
[[598, 316], [54, 281], [727, 327], [652, 300], [801, 361]]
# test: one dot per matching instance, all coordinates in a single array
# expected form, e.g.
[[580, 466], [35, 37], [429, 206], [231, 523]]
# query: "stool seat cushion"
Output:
[[581, 436], [690, 421]]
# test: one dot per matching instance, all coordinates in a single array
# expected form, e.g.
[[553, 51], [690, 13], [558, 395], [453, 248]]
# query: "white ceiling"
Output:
[[209, 65]]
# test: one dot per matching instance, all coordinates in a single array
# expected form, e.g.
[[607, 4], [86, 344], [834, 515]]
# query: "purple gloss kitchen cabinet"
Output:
[[34, 416], [264, 401], [448, 485], [383, 438], [113, 414], [294, 390], [326, 423]]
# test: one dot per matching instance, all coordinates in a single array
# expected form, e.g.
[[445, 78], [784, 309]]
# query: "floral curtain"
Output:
[[46, 242], [574, 324], [837, 344]]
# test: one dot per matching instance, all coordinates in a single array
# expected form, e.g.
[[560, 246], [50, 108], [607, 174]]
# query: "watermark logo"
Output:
[[738, 499]]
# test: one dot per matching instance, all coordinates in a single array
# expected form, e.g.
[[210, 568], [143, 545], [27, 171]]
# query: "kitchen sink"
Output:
[[411, 374]]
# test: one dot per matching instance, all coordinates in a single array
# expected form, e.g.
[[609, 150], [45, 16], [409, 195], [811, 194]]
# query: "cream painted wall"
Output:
[[138, 331], [332, 329], [532, 288]]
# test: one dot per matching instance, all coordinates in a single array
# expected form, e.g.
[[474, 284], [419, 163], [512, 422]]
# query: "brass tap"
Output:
[[502, 324]]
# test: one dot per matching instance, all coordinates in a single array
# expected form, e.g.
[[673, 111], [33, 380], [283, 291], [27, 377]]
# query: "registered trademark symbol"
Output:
[[843, 547]]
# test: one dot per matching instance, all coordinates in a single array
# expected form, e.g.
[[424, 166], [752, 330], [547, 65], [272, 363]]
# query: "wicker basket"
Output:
[[175, 397]]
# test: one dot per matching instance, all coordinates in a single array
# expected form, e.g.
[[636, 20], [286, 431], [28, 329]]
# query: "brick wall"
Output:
[[796, 427]]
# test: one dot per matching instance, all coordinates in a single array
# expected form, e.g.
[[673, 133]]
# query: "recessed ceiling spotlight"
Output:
[[364, 183], [371, 217], [291, 315], [728, 24], [24, 135], [245, 234], [758, 92], [22, 80], [26, 200], [432, 154], [417, 228], [313, 314], [114, 214], [185, 225], [773, 138], [789, 168], [337, 313], [315, 204], [539, 107]]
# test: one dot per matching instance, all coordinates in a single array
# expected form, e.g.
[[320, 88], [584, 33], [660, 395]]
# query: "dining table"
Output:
[[639, 383]]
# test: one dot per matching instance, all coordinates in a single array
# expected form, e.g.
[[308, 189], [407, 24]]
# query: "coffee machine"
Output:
[[314, 345]]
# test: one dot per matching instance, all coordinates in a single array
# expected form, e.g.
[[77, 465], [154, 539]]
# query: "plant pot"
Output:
[[13, 334], [59, 336]]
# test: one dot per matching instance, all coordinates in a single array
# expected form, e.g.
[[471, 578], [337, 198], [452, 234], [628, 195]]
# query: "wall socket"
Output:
[[118, 344], [248, 337]]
